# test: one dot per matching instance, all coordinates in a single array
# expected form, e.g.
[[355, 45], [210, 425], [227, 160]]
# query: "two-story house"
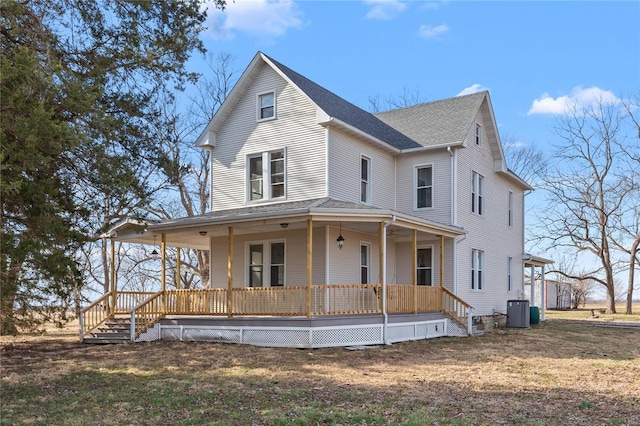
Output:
[[333, 226]]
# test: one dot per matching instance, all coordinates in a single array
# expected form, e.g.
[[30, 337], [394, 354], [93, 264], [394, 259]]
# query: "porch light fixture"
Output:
[[202, 233], [284, 225], [340, 239], [154, 253]]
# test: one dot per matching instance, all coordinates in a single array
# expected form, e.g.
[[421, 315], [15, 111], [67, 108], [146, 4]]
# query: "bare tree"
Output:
[[580, 292], [585, 190], [525, 160], [407, 98]]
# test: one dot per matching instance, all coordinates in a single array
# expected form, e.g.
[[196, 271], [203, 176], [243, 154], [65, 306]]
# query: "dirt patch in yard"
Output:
[[553, 374]]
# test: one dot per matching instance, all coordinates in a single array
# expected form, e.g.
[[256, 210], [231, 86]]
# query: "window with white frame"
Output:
[[510, 274], [365, 179], [510, 207], [424, 266], [266, 262], [266, 169], [477, 191], [424, 187], [364, 263], [478, 134], [266, 106], [477, 269]]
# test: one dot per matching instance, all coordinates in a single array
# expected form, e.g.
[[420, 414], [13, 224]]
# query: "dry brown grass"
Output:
[[553, 374]]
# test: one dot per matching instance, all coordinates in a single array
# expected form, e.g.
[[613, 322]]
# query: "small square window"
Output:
[[266, 106]]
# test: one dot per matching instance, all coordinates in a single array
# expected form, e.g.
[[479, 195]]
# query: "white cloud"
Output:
[[474, 88], [384, 9], [429, 31], [578, 100], [262, 18]]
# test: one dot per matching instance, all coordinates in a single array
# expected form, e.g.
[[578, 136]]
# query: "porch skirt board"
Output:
[[338, 335]]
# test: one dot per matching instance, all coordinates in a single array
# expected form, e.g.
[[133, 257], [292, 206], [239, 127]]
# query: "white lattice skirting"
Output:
[[305, 337]]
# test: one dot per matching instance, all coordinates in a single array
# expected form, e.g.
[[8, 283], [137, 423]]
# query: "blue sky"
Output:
[[534, 57]]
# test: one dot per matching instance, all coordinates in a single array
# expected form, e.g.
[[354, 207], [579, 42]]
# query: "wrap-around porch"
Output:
[[236, 299]]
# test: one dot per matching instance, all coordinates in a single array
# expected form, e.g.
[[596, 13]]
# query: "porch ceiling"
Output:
[[195, 232]]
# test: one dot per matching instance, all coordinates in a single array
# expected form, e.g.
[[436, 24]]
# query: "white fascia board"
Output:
[[432, 147], [206, 140], [516, 179]]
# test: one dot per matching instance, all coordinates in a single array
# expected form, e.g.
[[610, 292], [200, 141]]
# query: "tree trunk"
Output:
[[8, 291], [632, 270]]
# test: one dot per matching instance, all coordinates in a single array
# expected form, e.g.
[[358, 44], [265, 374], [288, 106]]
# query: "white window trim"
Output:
[[415, 187], [429, 246], [258, 108], [370, 167], [368, 265], [266, 176], [266, 261], [477, 194], [477, 137], [477, 265], [510, 274]]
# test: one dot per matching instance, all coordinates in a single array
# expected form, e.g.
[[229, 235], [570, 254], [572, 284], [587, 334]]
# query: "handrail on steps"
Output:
[[94, 315], [458, 309], [145, 314]]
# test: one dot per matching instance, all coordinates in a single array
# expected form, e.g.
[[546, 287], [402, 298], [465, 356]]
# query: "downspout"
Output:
[[454, 212], [384, 280]]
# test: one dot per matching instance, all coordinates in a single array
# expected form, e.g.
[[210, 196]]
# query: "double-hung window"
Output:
[[267, 169], [424, 265], [266, 106], [266, 261], [477, 192], [510, 274], [510, 209], [364, 264], [477, 269], [424, 187], [365, 179]]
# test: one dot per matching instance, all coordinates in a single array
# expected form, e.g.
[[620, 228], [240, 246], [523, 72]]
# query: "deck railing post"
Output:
[[133, 326]]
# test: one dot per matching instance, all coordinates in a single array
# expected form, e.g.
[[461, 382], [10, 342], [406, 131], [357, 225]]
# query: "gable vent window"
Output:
[[478, 134], [266, 106]]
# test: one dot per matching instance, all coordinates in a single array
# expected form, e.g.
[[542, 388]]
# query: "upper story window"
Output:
[[365, 179], [424, 266], [266, 175], [266, 106], [478, 134], [477, 269], [477, 193], [424, 187], [510, 209]]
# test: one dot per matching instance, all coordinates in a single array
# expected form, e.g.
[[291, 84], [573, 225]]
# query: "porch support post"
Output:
[[543, 293], [112, 278], [381, 265], [163, 271], [178, 268], [441, 260], [414, 268], [309, 265], [532, 293], [229, 275]]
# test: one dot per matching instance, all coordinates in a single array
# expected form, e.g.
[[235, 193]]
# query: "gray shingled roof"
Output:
[[437, 122], [345, 111]]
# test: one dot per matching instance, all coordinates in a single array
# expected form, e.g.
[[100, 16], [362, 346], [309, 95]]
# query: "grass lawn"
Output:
[[584, 313], [551, 374]]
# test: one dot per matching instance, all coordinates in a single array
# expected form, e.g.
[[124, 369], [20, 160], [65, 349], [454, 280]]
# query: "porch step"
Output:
[[114, 330]]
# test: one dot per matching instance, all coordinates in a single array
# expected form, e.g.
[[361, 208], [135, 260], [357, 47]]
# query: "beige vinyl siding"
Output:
[[344, 153], [344, 265], [406, 185], [404, 261], [294, 129], [488, 232]]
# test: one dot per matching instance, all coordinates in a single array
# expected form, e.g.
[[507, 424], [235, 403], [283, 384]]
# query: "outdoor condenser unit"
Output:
[[518, 314]]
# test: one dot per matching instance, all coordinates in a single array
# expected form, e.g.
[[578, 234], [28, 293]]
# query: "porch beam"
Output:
[[414, 266], [309, 265], [163, 271], [229, 274], [441, 260], [112, 277]]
